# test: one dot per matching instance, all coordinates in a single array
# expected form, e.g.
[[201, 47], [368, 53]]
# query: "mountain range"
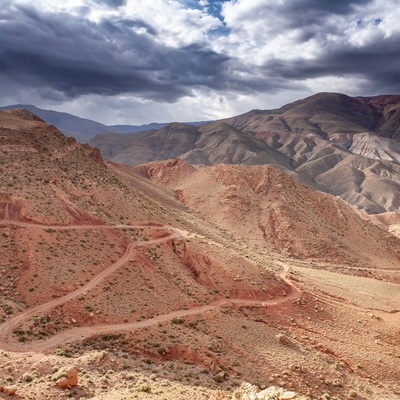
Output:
[[270, 211], [345, 146], [180, 279], [82, 129]]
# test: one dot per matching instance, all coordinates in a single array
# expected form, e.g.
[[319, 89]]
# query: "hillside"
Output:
[[82, 248], [82, 129], [348, 147], [328, 114], [51, 180], [270, 211], [115, 285]]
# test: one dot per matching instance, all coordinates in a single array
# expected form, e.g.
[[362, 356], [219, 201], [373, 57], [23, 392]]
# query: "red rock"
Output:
[[69, 380], [9, 390], [63, 383]]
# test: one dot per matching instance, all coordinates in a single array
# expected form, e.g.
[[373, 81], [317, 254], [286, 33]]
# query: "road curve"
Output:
[[79, 333]]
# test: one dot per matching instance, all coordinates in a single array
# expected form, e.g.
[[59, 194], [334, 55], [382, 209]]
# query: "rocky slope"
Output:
[[271, 211], [82, 129], [247, 391], [208, 144], [115, 286], [328, 114], [345, 146], [51, 180], [348, 146]]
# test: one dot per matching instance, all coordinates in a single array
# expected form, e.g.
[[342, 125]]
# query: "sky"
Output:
[[142, 61]]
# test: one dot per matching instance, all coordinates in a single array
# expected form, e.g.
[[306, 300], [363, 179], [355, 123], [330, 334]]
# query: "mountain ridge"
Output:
[[84, 129], [244, 197], [342, 145]]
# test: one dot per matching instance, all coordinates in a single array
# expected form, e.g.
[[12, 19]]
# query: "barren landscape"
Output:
[[341, 145], [173, 280]]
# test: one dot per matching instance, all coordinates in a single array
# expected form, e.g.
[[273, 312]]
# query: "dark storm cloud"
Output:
[[137, 23], [72, 56], [76, 57], [63, 55], [112, 3], [303, 13], [311, 18], [377, 65], [326, 6]]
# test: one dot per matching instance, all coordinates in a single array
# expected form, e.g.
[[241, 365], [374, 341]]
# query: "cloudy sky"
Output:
[[140, 61]]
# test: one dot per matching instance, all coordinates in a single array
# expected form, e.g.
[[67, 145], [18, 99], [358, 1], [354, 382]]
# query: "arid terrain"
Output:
[[170, 280], [341, 145]]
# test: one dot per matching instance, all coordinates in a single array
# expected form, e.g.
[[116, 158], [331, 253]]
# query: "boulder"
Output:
[[68, 379], [287, 396], [63, 383], [247, 391], [8, 390]]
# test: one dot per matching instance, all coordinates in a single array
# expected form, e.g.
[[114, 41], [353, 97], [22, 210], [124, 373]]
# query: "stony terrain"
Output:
[[134, 283], [270, 211], [345, 146]]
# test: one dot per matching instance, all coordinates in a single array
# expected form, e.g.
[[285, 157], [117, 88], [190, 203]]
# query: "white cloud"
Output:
[[374, 22], [203, 106], [176, 25], [363, 33], [390, 23], [130, 110], [258, 33]]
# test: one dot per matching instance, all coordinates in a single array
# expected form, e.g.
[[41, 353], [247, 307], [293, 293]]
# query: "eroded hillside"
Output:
[[345, 146], [115, 285], [270, 211]]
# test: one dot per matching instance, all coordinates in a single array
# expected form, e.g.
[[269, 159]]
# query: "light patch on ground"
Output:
[[356, 290]]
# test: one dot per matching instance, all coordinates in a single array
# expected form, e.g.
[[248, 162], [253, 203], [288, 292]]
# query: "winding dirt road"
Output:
[[79, 333]]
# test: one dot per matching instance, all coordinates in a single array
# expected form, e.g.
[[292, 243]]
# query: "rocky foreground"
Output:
[[247, 391]]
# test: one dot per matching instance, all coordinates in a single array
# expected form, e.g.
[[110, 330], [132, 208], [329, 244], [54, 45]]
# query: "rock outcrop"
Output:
[[68, 378], [247, 391], [8, 390]]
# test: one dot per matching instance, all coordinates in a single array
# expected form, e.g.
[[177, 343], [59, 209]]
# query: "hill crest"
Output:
[[342, 145]]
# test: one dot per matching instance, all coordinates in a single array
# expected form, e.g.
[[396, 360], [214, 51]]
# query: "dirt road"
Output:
[[81, 332]]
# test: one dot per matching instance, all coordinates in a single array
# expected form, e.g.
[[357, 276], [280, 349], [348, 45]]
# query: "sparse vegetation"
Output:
[[319, 342]]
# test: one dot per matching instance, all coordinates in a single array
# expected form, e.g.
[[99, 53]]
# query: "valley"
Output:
[[172, 279]]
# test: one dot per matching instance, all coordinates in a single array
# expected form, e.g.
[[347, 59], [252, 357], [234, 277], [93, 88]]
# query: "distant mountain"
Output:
[[345, 146], [333, 117], [79, 128], [207, 144], [83, 129], [349, 146]]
